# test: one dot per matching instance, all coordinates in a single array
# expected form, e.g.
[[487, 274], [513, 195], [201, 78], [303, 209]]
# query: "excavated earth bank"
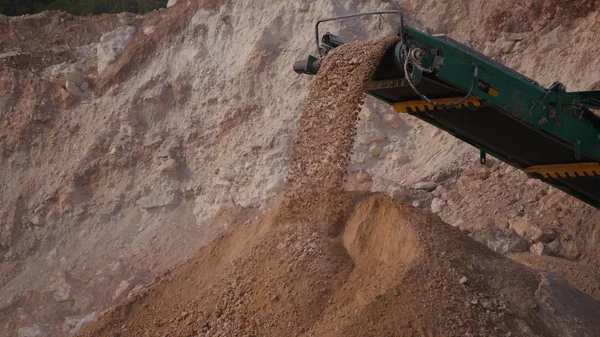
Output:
[[390, 270], [129, 142]]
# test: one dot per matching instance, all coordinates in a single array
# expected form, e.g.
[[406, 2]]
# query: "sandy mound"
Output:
[[394, 271]]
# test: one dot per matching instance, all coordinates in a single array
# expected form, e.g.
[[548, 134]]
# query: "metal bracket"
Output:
[[482, 157], [577, 149], [417, 75], [401, 32]]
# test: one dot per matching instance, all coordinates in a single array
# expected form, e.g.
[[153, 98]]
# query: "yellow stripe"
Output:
[[402, 107], [570, 170], [494, 92]]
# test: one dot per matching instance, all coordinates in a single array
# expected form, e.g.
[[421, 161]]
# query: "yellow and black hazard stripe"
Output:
[[421, 106], [563, 171]]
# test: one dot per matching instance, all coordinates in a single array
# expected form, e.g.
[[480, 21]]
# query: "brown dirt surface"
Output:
[[143, 47], [549, 14], [392, 270], [38, 41], [579, 274]]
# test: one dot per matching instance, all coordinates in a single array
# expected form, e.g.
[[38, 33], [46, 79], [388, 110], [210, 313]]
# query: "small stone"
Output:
[[363, 177], [502, 241], [463, 280], [73, 127], [482, 174], [30, 331], [501, 221], [375, 150], [555, 247], [87, 320], [115, 266], [158, 199], [73, 89], [149, 30], [487, 305], [437, 205], [426, 185], [202, 323], [545, 235], [302, 6], [539, 249], [400, 159], [507, 46], [392, 120], [9, 255], [127, 130], [475, 301], [63, 291], [228, 174], [438, 191], [85, 86], [36, 220], [123, 286], [526, 228], [370, 136], [171, 3], [136, 291], [386, 150], [112, 45], [169, 165], [416, 203], [70, 322]]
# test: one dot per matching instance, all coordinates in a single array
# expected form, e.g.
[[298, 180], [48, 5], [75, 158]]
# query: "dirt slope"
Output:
[[109, 180], [394, 271]]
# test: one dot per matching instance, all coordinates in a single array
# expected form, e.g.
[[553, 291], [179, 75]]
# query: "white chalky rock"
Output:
[[112, 45], [72, 78], [149, 30], [371, 135], [375, 150], [73, 89], [30, 331], [437, 205], [363, 177], [87, 320]]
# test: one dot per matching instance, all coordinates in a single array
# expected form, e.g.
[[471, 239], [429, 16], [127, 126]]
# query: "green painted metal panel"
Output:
[[518, 95]]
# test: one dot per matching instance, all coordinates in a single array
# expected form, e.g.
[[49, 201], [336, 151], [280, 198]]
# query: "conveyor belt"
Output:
[[497, 132], [549, 133]]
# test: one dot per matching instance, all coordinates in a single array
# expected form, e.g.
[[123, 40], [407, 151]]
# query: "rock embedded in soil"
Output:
[[539, 249], [502, 241], [426, 185]]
